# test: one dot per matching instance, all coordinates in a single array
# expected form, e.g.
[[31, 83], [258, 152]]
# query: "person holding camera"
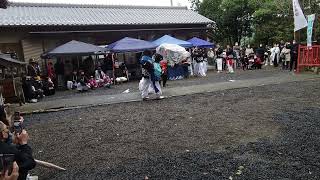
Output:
[[14, 174], [20, 150]]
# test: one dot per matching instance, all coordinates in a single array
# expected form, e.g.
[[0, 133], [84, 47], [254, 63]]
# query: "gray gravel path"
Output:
[[266, 132]]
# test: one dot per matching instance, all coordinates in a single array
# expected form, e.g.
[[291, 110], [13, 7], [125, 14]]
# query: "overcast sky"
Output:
[[114, 2]]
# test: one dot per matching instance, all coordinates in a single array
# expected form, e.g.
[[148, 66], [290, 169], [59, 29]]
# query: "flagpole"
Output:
[[296, 34]]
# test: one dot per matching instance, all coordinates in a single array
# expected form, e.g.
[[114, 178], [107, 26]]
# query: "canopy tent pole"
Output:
[[124, 57], [113, 69], [11, 69], [78, 63], [46, 65], [19, 71], [94, 62]]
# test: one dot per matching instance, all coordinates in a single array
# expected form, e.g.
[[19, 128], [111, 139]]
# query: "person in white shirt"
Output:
[[249, 51], [210, 55]]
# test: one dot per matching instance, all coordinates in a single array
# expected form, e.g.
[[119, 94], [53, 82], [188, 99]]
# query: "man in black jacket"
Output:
[[22, 151], [294, 55]]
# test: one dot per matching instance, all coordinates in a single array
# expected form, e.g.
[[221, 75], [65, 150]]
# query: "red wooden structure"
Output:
[[308, 57]]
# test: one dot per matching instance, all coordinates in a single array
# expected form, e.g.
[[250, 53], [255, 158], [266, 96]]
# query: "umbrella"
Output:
[[173, 53]]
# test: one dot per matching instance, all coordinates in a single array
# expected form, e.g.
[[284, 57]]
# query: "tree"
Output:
[[232, 18], [195, 4], [273, 21], [266, 21], [3, 4]]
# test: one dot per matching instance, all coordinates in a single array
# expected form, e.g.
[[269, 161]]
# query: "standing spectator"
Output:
[[260, 52], [199, 59], [282, 44], [210, 55], [249, 51], [59, 67], [88, 65], [108, 65], [286, 56], [244, 59], [205, 62], [230, 58], [219, 59], [236, 50], [38, 69], [32, 71], [50, 70], [164, 68], [68, 69], [294, 56]]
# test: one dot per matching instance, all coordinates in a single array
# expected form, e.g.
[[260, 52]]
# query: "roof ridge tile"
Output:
[[28, 4]]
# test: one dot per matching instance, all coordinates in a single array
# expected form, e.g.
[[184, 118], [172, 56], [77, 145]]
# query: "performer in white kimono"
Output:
[[277, 56], [274, 57], [200, 67]]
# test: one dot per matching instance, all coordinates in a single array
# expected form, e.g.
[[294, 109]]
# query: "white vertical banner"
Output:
[[299, 18], [311, 19]]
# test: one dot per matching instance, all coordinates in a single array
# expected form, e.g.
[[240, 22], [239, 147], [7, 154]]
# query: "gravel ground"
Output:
[[212, 77], [266, 132]]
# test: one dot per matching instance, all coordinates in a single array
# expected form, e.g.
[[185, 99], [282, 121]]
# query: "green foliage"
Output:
[[3, 4], [195, 4], [266, 21]]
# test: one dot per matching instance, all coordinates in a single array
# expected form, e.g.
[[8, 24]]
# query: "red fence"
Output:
[[308, 57]]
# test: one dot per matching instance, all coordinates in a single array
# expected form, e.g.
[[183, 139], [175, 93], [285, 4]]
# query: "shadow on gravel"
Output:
[[294, 154]]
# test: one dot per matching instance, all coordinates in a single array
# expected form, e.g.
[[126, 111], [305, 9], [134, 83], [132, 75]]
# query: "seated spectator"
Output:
[[83, 83], [108, 65], [73, 81], [102, 79], [32, 89], [93, 83], [121, 73]]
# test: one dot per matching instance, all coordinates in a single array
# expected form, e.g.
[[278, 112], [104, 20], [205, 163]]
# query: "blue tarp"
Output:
[[128, 44], [166, 39], [197, 42]]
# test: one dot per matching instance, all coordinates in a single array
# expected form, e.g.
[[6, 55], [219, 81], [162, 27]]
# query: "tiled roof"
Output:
[[32, 14]]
